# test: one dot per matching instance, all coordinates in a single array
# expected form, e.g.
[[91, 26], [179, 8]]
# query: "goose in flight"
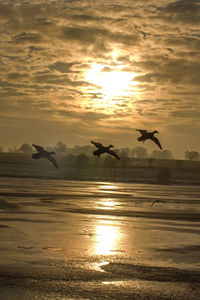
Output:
[[41, 153], [145, 135], [101, 149]]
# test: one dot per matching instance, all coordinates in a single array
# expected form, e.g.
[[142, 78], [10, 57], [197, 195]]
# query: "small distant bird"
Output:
[[101, 149], [156, 201], [145, 135], [44, 154]]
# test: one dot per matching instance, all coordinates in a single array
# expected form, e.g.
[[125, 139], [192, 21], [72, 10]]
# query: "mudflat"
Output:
[[63, 239]]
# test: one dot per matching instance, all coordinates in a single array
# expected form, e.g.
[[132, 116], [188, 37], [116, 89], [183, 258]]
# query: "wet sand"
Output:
[[96, 240]]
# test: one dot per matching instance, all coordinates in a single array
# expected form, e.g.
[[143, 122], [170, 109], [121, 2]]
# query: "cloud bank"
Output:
[[47, 48]]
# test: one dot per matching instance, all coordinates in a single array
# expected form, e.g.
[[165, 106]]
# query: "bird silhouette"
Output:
[[145, 135], [42, 153], [156, 201], [101, 149]]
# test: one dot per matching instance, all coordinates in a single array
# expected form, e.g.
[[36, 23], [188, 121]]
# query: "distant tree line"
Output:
[[125, 153], [192, 155]]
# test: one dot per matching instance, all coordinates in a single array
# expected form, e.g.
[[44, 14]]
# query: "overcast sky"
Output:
[[73, 71]]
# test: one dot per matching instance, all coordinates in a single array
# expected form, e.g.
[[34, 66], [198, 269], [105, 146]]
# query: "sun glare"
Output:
[[107, 236], [111, 82]]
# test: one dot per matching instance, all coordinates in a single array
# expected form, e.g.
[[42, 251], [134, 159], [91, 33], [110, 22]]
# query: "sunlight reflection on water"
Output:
[[106, 232], [108, 186], [106, 203], [107, 236]]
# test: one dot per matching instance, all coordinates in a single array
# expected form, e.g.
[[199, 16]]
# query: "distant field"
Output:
[[15, 158], [133, 170]]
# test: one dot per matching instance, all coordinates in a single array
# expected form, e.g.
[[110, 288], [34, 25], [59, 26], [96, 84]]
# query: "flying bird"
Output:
[[101, 149], [145, 135], [42, 153], [156, 201]]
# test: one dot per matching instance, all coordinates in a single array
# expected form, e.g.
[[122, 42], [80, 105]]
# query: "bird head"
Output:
[[155, 131], [110, 146]]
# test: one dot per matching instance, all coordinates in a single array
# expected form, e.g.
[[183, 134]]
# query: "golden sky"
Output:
[[81, 70]]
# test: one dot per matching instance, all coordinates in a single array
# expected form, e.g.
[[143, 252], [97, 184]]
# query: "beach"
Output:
[[63, 239]]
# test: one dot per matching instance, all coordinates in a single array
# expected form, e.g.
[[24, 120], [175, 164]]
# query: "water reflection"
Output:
[[106, 203], [107, 232], [107, 236], [107, 186]]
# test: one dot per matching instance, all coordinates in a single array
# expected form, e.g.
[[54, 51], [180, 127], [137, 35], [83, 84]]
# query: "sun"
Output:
[[111, 81]]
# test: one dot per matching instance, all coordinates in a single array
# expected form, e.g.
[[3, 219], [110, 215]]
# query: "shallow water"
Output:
[[96, 240]]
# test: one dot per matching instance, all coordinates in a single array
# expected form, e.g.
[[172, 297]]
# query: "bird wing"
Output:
[[111, 152], [156, 141], [98, 145], [141, 131], [155, 201], [53, 161], [97, 152], [38, 148]]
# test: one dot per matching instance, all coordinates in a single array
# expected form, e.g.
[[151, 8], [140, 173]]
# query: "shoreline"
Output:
[[164, 172], [102, 179]]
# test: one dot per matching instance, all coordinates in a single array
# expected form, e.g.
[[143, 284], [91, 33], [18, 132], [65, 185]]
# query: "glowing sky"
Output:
[[81, 70]]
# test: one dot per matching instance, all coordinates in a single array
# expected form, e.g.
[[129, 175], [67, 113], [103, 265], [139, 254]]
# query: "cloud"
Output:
[[27, 37], [172, 71], [62, 67], [185, 11], [189, 113], [58, 80], [93, 35], [16, 76], [49, 46]]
